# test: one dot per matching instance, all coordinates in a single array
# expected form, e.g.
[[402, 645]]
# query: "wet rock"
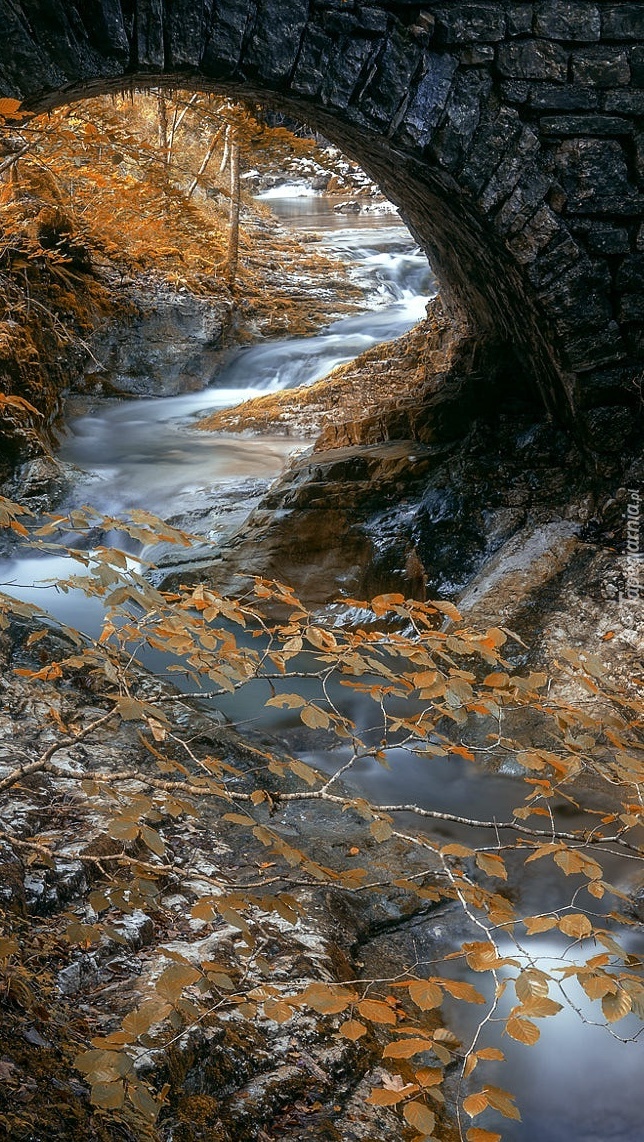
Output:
[[167, 347], [136, 929], [33, 1036], [521, 568], [417, 494], [12, 886], [43, 478], [611, 429], [349, 207], [44, 482], [81, 973], [46, 890], [306, 531], [333, 409]]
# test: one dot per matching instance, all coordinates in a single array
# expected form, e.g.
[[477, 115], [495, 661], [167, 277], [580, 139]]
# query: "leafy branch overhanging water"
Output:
[[435, 688]]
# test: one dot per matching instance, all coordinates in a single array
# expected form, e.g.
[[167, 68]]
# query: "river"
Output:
[[146, 453], [578, 1084]]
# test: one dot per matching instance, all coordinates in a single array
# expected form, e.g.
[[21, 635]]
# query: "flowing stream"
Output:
[[578, 1084], [146, 453]]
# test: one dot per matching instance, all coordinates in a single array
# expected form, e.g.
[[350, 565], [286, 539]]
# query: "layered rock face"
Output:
[[511, 134]]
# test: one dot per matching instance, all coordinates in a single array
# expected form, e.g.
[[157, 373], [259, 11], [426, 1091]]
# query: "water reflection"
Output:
[[579, 1083], [315, 211]]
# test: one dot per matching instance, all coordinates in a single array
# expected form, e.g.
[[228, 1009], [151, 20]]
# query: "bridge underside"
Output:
[[510, 134]]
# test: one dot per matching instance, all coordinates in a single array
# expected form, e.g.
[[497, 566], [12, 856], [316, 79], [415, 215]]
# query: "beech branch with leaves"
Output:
[[434, 688]]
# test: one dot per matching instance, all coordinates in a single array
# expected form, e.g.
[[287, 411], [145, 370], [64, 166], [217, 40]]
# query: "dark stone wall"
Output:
[[510, 133]]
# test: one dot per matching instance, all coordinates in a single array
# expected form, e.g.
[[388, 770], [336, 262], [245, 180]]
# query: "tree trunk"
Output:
[[163, 134], [226, 152], [233, 225], [204, 162], [179, 116]]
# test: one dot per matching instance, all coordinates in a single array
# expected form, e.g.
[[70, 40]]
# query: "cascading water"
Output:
[[146, 453]]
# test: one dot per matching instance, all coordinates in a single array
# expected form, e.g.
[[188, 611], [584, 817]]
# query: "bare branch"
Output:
[[42, 762], [11, 159]]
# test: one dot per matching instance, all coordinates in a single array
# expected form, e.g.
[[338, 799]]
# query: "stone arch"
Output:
[[511, 135]]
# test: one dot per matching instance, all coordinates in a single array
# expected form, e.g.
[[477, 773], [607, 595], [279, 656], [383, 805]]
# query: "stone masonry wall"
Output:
[[510, 133]]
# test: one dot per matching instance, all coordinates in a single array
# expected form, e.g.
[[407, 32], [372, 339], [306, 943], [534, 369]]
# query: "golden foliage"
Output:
[[89, 201], [232, 642]]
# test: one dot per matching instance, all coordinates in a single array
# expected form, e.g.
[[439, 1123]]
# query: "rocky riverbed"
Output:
[[416, 479], [235, 1075]]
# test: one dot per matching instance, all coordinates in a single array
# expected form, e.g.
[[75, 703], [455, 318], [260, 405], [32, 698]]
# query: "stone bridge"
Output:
[[510, 133]]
